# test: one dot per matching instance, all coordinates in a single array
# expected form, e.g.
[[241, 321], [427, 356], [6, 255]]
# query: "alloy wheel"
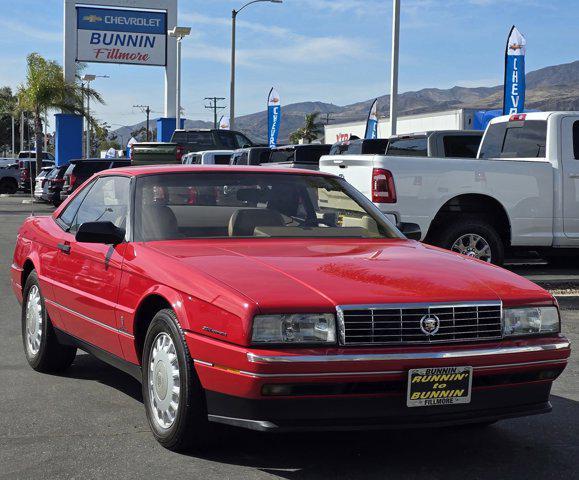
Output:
[[33, 321], [473, 245]]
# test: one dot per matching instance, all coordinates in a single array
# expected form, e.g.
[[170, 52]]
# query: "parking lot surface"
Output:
[[90, 423]]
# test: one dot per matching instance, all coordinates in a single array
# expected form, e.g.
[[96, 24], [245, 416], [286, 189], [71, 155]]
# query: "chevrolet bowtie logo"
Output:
[[92, 18], [515, 47]]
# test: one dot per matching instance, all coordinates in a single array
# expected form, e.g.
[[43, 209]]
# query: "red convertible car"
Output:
[[277, 300]]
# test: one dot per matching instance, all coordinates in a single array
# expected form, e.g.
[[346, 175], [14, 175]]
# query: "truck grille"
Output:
[[419, 323]]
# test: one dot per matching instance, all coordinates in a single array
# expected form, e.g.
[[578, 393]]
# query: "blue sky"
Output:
[[331, 50]]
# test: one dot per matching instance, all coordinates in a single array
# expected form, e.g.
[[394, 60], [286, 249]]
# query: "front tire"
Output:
[[173, 397], [43, 352], [474, 238]]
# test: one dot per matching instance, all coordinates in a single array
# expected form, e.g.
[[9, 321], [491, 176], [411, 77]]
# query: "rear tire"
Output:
[[42, 350], [474, 238], [9, 186], [173, 397]]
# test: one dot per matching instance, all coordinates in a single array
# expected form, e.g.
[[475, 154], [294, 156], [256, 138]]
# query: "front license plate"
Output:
[[428, 387]]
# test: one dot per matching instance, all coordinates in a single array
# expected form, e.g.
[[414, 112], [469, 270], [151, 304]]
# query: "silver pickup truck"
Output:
[[520, 193]]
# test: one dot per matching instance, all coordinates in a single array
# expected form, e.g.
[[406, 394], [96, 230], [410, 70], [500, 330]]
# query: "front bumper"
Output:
[[349, 388]]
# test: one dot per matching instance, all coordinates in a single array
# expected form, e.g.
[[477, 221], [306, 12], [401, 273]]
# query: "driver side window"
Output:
[[107, 200]]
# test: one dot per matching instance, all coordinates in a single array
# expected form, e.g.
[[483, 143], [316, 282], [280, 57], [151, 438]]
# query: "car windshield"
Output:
[[266, 205]]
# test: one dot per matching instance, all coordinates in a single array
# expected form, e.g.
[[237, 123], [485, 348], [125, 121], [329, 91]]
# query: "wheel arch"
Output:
[[152, 302], [474, 204], [27, 269]]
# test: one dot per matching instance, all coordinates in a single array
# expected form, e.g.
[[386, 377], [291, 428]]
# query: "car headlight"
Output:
[[530, 321], [294, 328]]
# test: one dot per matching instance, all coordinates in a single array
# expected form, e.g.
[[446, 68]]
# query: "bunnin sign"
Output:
[[109, 35]]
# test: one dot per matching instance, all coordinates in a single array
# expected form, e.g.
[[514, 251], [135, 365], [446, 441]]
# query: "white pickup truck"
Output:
[[521, 192]]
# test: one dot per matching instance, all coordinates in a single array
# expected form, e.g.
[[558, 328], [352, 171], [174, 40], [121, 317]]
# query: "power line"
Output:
[[146, 109], [213, 106]]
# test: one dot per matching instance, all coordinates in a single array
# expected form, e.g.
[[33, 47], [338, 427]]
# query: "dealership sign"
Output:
[[108, 35]]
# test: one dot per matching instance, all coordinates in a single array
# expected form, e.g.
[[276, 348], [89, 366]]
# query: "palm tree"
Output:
[[46, 89], [311, 130]]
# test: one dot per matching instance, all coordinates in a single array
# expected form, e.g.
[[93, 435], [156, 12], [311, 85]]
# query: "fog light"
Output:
[[276, 390]]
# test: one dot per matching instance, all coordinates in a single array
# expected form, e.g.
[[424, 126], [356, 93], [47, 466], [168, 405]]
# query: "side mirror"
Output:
[[100, 232], [410, 230]]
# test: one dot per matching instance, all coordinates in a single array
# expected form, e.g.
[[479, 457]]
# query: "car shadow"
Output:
[[536, 447]]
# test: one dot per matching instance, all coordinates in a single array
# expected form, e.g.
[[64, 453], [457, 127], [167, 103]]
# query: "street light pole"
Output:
[[179, 33], [394, 66], [13, 138], [234, 14], [89, 78]]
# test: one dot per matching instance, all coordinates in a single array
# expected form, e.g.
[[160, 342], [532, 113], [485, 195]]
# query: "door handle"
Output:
[[63, 247], [574, 175]]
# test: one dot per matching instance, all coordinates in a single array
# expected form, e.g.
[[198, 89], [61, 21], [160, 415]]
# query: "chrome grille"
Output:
[[401, 324]]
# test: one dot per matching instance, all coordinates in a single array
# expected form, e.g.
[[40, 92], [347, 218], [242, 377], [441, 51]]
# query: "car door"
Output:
[[88, 295], [570, 177]]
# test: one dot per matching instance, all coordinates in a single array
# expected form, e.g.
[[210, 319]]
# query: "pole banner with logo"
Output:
[[224, 123], [273, 117], [514, 94], [372, 122], [108, 35]]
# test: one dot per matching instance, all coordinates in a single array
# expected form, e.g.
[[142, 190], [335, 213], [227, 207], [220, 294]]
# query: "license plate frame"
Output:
[[436, 386]]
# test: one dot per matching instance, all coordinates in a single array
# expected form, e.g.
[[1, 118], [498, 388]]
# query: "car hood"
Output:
[[311, 275]]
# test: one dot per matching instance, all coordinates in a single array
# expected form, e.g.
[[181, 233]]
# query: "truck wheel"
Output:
[[43, 352], [474, 238], [173, 397], [8, 186]]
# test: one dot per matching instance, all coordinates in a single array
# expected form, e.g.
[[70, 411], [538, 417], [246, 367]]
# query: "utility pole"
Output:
[[214, 106], [394, 67], [146, 109], [21, 130], [329, 117]]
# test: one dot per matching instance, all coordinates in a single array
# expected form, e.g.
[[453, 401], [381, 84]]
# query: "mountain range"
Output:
[[550, 88]]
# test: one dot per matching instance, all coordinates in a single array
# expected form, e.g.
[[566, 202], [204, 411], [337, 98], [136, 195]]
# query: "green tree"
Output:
[[46, 89], [311, 130]]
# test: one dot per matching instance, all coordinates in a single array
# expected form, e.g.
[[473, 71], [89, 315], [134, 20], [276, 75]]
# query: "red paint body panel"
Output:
[[217, 286]]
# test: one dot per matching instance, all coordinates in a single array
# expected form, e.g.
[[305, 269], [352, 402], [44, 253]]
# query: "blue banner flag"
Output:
[[273, 117], [372, 122], [514, 95]]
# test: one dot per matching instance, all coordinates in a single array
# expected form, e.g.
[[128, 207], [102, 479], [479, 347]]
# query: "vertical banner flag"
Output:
[[372, 122], [273, 117], [224, 123], [514, 95]]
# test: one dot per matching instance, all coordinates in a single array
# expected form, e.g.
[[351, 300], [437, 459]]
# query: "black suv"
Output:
[[80, 170], [298, 156], [200, 140], [250, 156]]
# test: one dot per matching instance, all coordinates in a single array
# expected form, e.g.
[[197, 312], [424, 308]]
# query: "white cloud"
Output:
[[27, 31]]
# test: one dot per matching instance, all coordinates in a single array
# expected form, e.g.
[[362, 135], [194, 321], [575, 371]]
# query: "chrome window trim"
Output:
[[341, 327], [384, 357]]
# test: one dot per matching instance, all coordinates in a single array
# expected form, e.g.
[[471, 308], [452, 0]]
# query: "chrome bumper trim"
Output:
[[360, 374], [384, 357]]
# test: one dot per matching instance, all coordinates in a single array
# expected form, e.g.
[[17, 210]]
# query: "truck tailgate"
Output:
[[355, 169], [154, 153]]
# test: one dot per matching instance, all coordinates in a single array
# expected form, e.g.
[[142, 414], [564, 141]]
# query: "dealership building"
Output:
[[459, 119]]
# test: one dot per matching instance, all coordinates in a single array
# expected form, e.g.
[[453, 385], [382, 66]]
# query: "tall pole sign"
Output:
[[514, 94]]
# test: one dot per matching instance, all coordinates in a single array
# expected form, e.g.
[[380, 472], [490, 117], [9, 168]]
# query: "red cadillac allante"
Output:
[[277, 300]]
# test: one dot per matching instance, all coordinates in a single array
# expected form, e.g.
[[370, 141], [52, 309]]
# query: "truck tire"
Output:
[[474, 238], [8, 185]]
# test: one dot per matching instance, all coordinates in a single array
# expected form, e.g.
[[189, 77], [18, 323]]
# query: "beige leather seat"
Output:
[[159, 223], [243, 221]]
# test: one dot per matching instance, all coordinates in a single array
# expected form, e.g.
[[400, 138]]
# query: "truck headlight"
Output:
[[530, 321], [294, 328]]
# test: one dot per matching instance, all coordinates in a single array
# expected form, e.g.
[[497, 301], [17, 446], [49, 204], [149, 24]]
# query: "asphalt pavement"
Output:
[[90, 423]]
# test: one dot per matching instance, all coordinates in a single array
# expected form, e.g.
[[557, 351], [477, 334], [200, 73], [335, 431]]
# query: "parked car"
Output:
[[360, 146], [40, 182], [290, 303], [29, 154], [298, 156], [53, 185], [519, 194], [9, 178], [27, 167], [437, 143], [186, 141], [210, 157], [79, 171], [4, 162], [250, 156]]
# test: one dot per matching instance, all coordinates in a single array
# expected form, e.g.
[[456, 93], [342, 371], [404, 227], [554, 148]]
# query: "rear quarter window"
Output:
[[461, 146], [408, 147]]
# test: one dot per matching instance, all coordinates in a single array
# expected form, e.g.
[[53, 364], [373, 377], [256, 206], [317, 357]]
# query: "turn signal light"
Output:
[[383, 188]]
